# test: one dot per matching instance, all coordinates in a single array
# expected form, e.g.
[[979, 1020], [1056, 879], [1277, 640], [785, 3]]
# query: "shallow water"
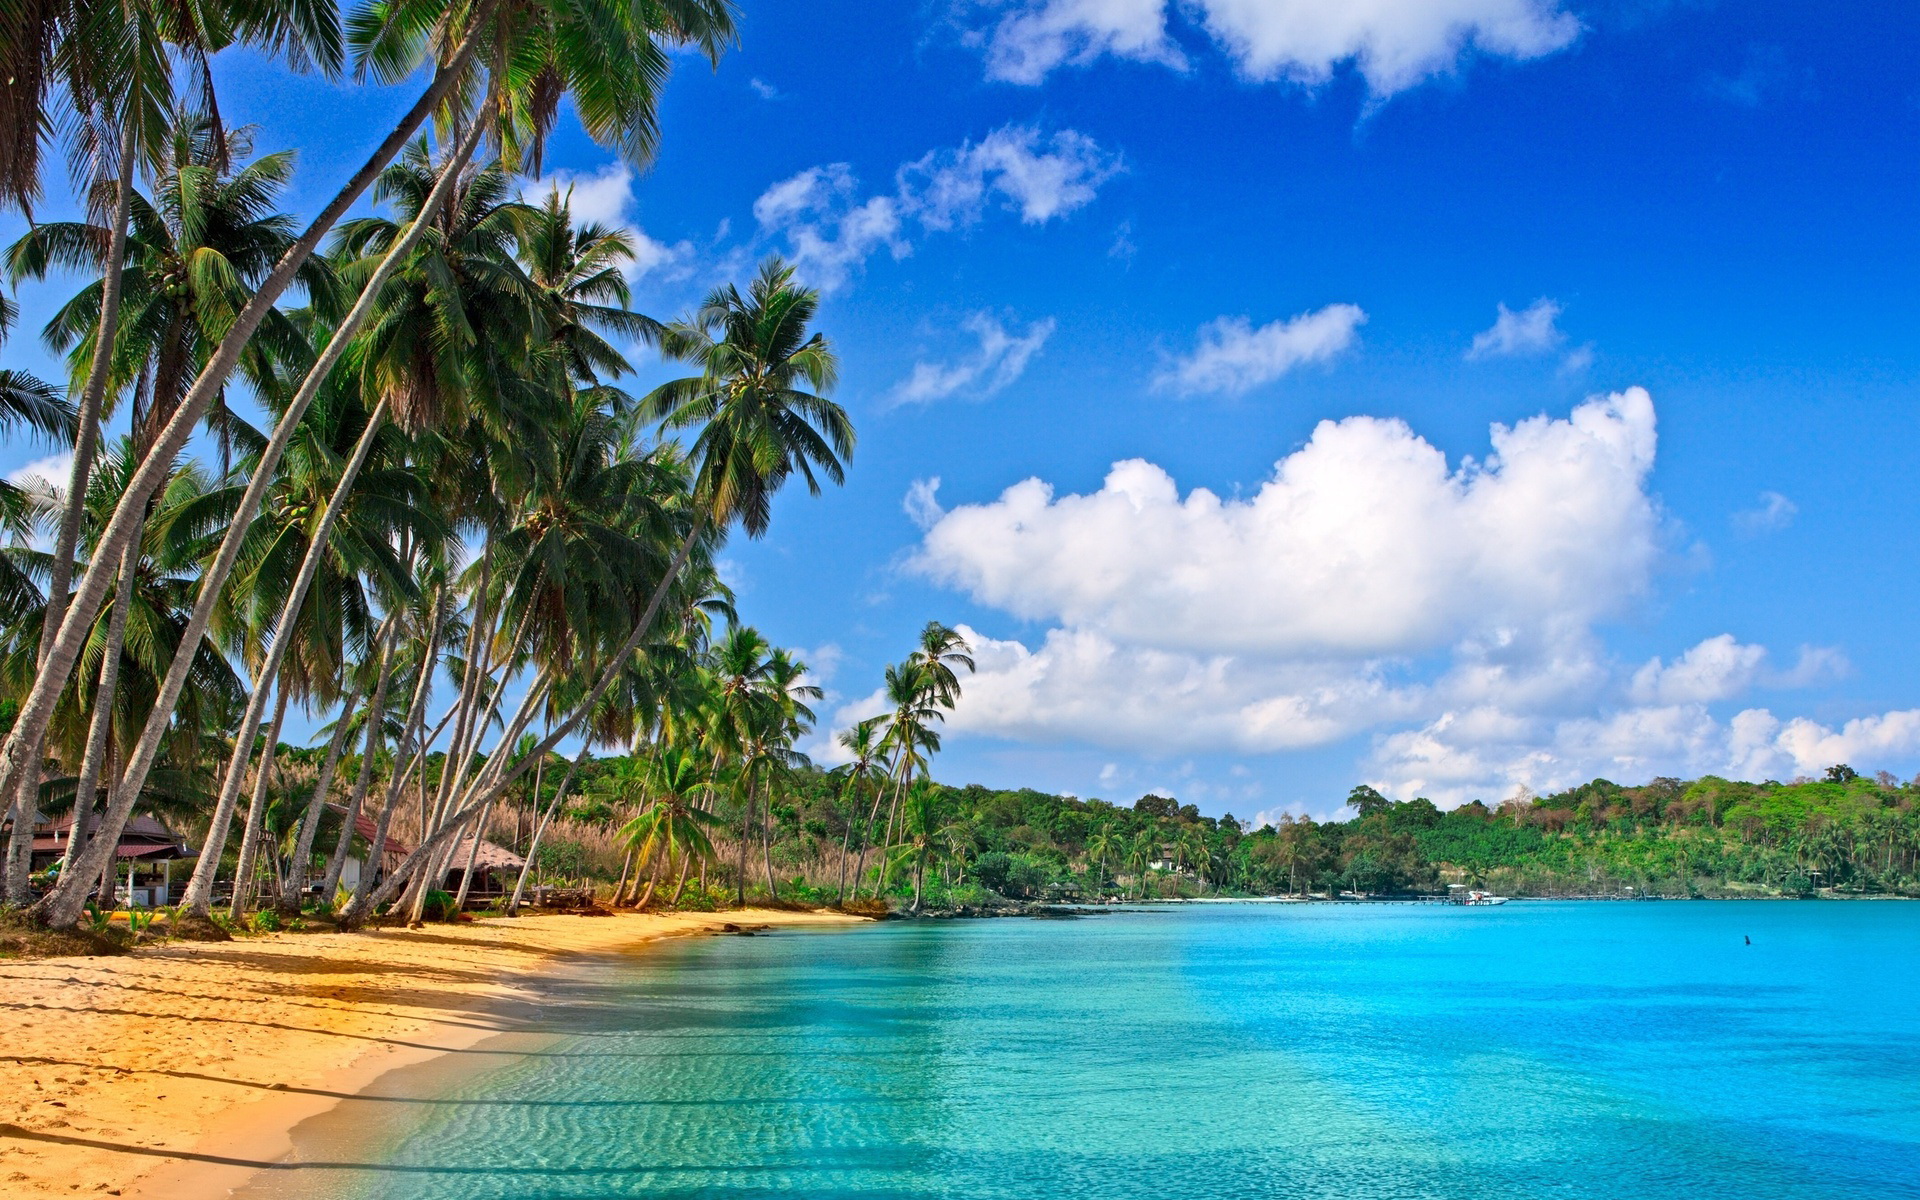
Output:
[[1634, 1051]]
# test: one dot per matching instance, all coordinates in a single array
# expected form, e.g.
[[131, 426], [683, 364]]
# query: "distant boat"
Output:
[[1458, 893]]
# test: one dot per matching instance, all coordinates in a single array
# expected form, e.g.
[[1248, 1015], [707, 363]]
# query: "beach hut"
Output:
[[495, 870], [143, 861], [392, 853]]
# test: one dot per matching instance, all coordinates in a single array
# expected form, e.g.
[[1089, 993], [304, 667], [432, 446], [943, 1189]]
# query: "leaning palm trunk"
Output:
[[376, 715], [281, 637], [539, 831], [402, 762], [60, 573], [620, 888], [294, 879], [608, 677], [100, 727], [417, 897], [243, 871], [20, 754], [473, 855]]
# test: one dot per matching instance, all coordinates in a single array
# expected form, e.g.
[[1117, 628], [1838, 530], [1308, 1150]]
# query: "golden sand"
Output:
[[180, 1070]]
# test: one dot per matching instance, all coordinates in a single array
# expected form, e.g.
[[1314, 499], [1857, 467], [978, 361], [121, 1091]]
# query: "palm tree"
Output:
[[744, 704], [920, 835], [911, 690], [758, 423], [209, 234], [1102, 846], [942, 649], [673, 824], [614, 61], [864, 742]]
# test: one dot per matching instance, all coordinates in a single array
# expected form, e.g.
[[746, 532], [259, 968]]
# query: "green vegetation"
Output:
[[1846, 835]]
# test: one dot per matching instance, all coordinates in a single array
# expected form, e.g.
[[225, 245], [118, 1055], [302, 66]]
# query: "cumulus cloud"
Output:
[[1773, 512], [1393, 44], [1371, 587], [1001, 359], [1713, 670], [1485, 755], [605, 197], [1233, 357], [831, 229], [1364, 542]]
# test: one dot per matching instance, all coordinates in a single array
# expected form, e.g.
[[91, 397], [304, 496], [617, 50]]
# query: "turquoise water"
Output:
[[1628, 1051]]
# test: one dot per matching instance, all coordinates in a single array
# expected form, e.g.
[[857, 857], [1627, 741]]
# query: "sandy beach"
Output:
[[177, 1072]]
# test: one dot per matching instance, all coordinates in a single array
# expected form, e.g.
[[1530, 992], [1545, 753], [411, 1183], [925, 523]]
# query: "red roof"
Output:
[[143, 837], [364, 828]]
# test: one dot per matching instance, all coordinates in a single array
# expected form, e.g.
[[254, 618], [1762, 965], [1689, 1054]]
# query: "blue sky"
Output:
[[1211, 238]]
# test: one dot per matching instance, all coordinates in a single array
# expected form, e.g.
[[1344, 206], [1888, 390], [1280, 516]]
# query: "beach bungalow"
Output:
[[392, 854], [143, 861], [495, 870]]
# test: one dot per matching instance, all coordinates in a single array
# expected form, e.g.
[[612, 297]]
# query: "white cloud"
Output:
[[1530, 331], [1233, 357], [1465, 755], [605, 197], [1715, 669], [1773, 512], [1363, 543], [763, 89], [1043, 178], [831, 230], [1001, 359], [1371, 587], [922, 504], [1393, 44], [47, 475]]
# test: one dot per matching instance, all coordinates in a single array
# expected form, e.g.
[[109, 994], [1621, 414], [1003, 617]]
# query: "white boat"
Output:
[[1459, 893]]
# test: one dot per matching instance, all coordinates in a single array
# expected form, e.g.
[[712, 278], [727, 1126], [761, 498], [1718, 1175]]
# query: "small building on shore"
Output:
[[143, 860], [495, 870]]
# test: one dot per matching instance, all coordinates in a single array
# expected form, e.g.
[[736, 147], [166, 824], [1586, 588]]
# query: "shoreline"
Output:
[[179, 1072]]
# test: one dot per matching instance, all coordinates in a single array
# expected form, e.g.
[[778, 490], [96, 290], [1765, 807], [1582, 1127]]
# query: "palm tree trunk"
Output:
[[620, 888], [686, 860], [256, 811], [539, 831], [617, 662], [653, 877], [860, 868], [86, 447], [479, 649], [846, 842], [473, 855], [376, 716], [766, 843], [746, 827], [20, 754], [294, 880], [99, 729], [403, 761]]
